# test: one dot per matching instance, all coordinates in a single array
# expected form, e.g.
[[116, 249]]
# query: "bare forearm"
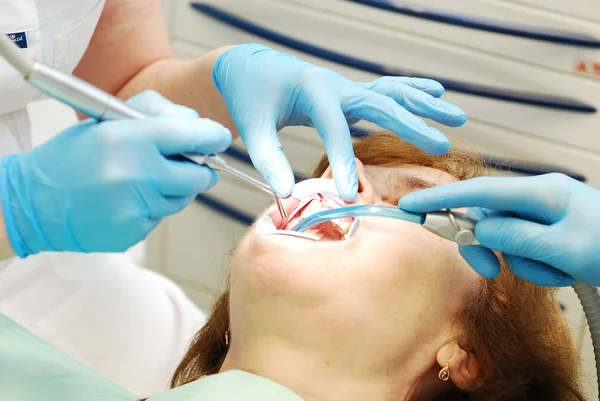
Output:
[[6, 250], [130, 53], [186, 82]]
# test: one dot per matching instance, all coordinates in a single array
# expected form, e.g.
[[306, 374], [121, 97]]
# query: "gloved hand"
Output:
[[102, 187], [265, 91], [546, 227]]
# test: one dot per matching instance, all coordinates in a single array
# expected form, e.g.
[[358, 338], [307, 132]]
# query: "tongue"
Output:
[[328, 231]]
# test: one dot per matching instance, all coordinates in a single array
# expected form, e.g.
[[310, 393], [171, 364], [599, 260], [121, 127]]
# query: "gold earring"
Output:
[[444, 374], [227, 336]]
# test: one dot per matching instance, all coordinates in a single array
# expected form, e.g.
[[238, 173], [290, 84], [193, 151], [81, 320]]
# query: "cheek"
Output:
[[390, 265], [410, 265]]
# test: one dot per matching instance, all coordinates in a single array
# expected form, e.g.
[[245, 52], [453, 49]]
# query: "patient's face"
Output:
[[377, 296]]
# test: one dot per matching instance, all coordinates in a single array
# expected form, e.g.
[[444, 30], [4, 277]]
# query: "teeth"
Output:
[[265, 226], [343, 225], [313, 196]]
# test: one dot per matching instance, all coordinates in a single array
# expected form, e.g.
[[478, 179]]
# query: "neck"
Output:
[[320, 378]]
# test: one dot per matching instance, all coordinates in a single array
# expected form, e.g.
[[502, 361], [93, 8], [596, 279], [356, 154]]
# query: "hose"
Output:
[[590, 300]]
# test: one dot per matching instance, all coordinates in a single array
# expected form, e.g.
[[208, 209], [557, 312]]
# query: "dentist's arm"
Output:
[[260, 91], [546, 227], [130, 52], [103, 187]]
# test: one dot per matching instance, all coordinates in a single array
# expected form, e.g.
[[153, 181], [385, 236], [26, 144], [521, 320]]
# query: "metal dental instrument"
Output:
[[217, 163], [97, 104], [454, 226]]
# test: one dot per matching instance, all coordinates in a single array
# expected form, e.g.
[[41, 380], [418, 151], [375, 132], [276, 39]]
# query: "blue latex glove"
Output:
[[546, 227], [266, 90], [102, 187]]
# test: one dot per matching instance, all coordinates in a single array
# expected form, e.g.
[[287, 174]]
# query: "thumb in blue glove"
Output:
[[103, 187], [266, 90], [547, 227]]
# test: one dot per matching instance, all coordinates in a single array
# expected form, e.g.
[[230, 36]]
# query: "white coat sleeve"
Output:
[[130, 324]]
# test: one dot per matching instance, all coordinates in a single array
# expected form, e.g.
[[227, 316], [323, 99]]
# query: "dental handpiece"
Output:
[[95, 103], [454, 226]]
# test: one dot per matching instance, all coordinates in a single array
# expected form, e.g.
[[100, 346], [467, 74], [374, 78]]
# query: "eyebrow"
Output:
[[400, 182]]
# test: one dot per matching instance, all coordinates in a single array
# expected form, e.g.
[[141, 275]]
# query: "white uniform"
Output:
[[130, 324]]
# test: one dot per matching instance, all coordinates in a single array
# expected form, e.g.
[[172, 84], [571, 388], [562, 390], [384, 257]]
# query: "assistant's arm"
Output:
[[130, 53], [262, 91], [547, 227]]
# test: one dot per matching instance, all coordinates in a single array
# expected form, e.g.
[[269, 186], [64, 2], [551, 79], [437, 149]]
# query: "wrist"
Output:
[[244, 51], [10, 238], [186, 82], [21, 224], [6, 248]]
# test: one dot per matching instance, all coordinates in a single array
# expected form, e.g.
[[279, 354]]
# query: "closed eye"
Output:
[[400, 183]]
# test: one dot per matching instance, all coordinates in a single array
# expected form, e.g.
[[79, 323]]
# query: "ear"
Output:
[[463, 367], [365, 190]]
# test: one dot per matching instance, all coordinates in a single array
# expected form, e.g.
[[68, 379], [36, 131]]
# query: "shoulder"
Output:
[[233, 385]]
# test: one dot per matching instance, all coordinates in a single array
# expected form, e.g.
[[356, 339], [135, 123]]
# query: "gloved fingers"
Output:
[[152, 103], [421, 103], [537, 272], [537, 197], [480, 212], [482, 260], [128, 239], [159, 206], [515, 237], [151, 224], [434, 88], [330, 122], [264, 148], [183, 178], [173, 136], [172, 205], [388, 114]]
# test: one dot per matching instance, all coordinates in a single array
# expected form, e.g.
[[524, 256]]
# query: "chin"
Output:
[[301, 250], [283, 265]]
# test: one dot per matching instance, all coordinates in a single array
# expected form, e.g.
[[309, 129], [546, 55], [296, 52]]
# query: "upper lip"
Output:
[[290, 204], [322, 205]]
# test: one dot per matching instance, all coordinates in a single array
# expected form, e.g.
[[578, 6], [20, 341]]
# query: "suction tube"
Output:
[[358, 211], [590, 300]]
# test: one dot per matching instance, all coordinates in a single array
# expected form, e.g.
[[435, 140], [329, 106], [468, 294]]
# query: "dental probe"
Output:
[[217, 163], [454, 226], [97, 104]]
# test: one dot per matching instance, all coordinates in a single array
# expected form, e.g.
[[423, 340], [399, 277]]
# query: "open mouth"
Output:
[[334, 230], [309, 197]]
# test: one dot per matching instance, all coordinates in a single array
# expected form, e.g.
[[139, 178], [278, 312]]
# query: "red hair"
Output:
[[514, 329]]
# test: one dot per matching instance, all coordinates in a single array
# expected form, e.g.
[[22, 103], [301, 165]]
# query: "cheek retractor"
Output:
[[318, 189]]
